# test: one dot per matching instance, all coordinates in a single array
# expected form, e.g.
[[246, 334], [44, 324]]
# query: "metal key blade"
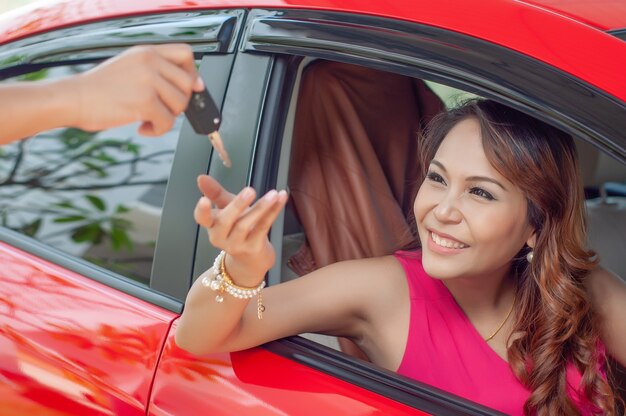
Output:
[[218, 145]]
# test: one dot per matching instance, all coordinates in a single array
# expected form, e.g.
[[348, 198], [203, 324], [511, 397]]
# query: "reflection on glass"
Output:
[[94, 195]]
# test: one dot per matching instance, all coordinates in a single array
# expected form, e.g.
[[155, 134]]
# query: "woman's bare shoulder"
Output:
[[377, 270], [602, 282], [608, 297], [369, 279]]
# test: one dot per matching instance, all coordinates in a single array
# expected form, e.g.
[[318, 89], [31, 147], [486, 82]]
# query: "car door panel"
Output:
[[258, 382], [71, 345]]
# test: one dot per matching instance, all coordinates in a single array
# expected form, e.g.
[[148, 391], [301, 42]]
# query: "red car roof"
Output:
[[601, 14], [566, 34]]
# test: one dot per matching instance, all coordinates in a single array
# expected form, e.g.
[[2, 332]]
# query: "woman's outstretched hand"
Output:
[[239, 227]]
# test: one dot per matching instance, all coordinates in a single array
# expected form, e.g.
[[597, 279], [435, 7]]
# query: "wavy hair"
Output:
[[554, 326]]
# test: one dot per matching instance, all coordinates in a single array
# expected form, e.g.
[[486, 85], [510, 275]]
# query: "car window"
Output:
[[323, 175], [93, 195]]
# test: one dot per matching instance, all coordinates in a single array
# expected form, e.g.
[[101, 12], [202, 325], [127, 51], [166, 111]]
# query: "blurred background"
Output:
[[11, 4]]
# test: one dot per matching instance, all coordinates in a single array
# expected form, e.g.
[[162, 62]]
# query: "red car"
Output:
[[98, 245]]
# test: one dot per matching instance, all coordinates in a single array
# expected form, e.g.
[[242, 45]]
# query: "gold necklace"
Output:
[[506, 318]]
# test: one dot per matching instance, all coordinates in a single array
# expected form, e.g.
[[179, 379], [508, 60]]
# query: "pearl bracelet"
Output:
[[222, 282]]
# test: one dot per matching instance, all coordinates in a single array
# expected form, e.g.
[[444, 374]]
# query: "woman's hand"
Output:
[[239, 228]]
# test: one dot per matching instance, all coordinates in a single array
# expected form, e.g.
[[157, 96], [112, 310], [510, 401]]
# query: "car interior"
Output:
[[351, 137]]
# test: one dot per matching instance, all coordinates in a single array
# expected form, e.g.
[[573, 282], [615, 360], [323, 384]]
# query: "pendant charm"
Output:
[[260, 308], [219, 298]]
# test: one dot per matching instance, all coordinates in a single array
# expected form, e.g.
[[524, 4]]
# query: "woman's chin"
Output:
[[440, 269]]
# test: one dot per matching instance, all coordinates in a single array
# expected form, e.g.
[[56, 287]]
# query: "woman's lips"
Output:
[[445, 241]]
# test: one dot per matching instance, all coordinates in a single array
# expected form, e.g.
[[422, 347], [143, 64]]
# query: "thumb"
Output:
[[214, 191]]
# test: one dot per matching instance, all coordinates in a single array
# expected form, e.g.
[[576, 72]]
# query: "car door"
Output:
[[85, 309], [297, 375]]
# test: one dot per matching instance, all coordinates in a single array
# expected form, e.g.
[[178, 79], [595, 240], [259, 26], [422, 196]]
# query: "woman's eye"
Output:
[[435, 177], [481, 193]]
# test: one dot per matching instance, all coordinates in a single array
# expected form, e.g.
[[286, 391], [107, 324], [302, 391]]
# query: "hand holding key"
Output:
[[151, 84]]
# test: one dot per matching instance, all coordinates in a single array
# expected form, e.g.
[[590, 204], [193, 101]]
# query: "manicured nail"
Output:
[[246, 194], [271, 196], [199, 85]]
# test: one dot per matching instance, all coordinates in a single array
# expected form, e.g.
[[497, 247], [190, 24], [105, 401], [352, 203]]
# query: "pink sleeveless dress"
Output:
[[444, 349]]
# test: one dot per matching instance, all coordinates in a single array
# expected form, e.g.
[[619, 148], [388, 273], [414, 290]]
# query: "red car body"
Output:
[[73, 345]]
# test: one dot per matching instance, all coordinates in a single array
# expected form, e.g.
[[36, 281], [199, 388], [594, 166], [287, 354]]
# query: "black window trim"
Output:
[[214, 31], [383, 382], [619, 33]]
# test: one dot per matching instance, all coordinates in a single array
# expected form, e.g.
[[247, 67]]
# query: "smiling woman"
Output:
[[497, 186], [528, 193]]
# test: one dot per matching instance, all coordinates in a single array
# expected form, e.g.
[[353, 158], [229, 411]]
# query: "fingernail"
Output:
[[199, 86], [246, 193], [271, 196]]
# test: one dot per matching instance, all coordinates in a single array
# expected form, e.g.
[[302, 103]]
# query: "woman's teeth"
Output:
[[443, 242]]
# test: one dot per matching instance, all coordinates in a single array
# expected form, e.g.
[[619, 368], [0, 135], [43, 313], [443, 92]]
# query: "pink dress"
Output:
[[444, 349]]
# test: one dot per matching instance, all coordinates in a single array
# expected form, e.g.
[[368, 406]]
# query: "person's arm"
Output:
[[151, 84], [341, 299], [608, 297]]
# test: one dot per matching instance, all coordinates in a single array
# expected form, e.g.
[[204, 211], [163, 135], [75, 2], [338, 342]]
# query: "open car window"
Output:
[[349, 163]]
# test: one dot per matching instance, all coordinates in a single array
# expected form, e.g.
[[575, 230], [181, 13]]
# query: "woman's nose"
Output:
[[447, 210]]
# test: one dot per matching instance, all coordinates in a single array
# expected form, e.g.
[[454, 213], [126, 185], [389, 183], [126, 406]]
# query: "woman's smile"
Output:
[[445, 244]]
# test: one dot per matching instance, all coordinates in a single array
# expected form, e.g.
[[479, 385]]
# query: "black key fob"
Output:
[[202, 113]]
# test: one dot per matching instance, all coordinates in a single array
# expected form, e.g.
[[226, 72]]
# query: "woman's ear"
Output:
[[532, 240]]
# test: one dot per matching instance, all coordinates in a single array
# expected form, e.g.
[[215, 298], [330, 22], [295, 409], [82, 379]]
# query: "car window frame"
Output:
[[290, 35]]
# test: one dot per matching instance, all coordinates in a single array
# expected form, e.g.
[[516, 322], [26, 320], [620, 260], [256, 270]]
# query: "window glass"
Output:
[[94, 195]]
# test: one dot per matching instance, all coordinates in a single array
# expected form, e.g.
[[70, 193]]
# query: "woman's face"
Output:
[[471, 220]]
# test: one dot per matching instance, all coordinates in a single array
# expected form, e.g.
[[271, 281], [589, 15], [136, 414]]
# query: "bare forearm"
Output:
[[32, 107], [207, 325]]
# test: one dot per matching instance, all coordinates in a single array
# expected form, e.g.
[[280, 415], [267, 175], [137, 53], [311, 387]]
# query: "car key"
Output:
[[205, 118]]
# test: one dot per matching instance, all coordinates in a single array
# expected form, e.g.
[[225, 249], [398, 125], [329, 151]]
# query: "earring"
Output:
[[530, 256]]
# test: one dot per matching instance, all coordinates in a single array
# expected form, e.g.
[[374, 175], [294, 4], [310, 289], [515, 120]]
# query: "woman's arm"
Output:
[[343, 299], [608, 296], [151, 84]]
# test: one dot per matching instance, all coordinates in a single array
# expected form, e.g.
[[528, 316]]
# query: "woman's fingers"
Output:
[[214, 191], [257, 221], [235, 225], [225, 219], [264, 222], [248, 221], [203, 213]]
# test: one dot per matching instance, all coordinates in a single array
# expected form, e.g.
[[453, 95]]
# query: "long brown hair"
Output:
[[554, 326]]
